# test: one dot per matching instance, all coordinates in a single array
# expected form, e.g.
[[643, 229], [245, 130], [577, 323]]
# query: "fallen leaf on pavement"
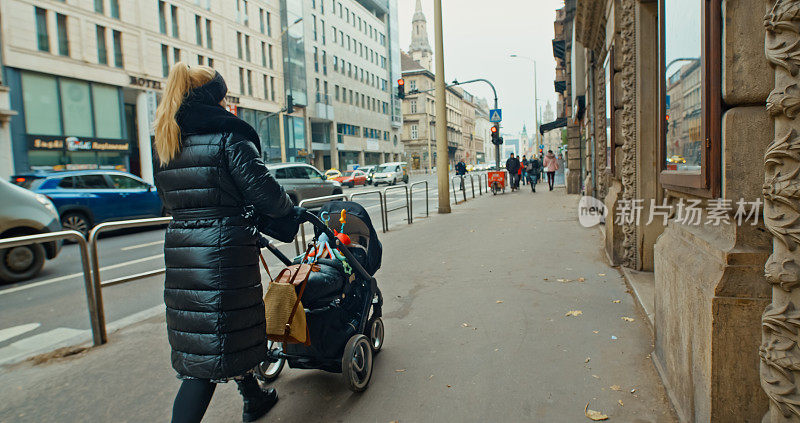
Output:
[[594, 415], [472, 230], [595, 331], [633, 390], [449, 386], [627, 319], [601, 274], [581, 279], [465, 325], [616, 301], [499, 301], [620, 403], [573, 313], [587, 359], [562, 280], [596, 377], [400, 370], [615, 387], [545, 278], [395, 421], [613, 337]]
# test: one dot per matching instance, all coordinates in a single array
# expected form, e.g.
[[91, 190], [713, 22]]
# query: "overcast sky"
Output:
[[479, 37]]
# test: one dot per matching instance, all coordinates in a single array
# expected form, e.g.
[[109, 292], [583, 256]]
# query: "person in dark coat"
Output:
[[523, 168], [211, 178], [512, 166]]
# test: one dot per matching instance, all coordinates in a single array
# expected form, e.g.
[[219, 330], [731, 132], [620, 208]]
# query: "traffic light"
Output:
[[496, 140], [289, 105], [401, 89]]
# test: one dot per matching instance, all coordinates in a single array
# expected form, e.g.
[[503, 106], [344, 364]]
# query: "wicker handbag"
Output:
[[286, 317]]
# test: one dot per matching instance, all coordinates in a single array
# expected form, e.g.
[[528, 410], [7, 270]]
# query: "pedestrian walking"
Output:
[[461, 170], [550, 166], [211, 178], [533, 170], [512, 166], [523, 169]]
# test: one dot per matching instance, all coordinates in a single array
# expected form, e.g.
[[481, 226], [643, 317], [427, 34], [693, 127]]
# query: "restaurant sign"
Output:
[[56, 143]]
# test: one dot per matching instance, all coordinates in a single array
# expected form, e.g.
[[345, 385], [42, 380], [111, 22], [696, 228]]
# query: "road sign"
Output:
[[496, 115]]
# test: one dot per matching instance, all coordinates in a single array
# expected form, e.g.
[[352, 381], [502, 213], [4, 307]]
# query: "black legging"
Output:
[[192, 400], [551, 179]]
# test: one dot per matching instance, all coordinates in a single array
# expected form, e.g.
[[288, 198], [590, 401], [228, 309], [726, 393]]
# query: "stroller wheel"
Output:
[[269, 371], [357, 363], [376, 334]]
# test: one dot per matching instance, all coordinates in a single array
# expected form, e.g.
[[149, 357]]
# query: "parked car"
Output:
[[23, 212], [302, 181], [390, 173], [352, 178], [85, 198], [332, 174]]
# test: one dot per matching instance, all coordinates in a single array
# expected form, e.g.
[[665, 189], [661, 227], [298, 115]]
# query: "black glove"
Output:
[[281, 228]]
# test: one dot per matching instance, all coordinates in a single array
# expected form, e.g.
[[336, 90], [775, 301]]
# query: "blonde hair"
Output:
[[181, 79]]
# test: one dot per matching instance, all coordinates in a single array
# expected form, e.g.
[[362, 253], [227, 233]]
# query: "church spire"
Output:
[[420, 48]]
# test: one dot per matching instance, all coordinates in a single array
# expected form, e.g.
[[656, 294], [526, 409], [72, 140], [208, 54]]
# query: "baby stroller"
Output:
[[342, 304]]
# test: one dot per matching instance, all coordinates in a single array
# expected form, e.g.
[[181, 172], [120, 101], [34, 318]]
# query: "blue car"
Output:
[[89, 197]]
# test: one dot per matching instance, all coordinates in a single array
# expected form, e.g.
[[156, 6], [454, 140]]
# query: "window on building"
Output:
[[198, 30], [40, 93], [164, 60], [263, 54], [414, 132], [241, 81], [239, 49], [336, 92], [266, 87], [98, 6], [272, 88], [106, 106], [314, 27], [412, 85], [117, 36], [209, 44], [162, 17], [413, 106], [63, 34], [269, 24], [271, 64], [324, 63], [76, 108], [201, 60], [247, 47], [322, 28], [114, 6], [691, 106], [102, 51], [175, 22], [316, 59], [249, 83], [262, 26], [42, 36], [210, 62], [176, 55]]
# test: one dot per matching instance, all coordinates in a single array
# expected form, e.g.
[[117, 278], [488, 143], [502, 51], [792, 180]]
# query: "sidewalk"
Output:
[[476, 331]]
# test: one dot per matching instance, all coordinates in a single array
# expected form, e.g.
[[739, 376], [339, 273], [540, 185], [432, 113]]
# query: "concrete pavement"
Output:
[[476, 330]]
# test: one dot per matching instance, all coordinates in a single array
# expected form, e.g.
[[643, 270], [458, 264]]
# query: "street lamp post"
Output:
[[443, 162], [535, 98]]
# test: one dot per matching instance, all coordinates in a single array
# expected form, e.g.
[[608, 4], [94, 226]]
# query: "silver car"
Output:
[[302, 181], [23, 212]]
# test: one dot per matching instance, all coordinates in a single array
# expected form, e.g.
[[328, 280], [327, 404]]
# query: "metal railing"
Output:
[[472, 185], [384, 223], [386, 209], [318, 201], [411, 197], [98, 285], [462, 188], [87, 278]]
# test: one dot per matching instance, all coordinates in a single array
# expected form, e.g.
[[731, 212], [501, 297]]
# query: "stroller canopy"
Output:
[[359, 228]]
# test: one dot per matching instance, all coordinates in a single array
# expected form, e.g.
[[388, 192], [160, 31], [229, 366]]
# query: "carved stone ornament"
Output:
[[628, 126], [785, 101], [780, 357]]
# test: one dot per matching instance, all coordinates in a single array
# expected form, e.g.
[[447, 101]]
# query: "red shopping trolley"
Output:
[[497, 181]]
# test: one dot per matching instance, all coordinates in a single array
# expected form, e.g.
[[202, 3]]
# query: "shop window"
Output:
[[691, 98], [63, 35], [107, 115], [40, 97], [42, 36], [76, 108]]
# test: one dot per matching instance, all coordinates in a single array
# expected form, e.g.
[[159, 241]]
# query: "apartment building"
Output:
[[352, 111], [85, 76]]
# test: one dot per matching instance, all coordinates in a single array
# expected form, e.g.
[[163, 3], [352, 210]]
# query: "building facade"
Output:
[[682, 120], [351, 107], [85, 76]]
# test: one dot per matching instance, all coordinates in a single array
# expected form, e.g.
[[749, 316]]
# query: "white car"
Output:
[[390, 173]]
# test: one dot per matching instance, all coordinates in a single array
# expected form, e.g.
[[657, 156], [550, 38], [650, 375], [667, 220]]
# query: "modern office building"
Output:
[[84, 77], [352, 112]]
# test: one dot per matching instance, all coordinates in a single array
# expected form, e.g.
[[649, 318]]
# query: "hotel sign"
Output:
[[55, 143], [145, 83]]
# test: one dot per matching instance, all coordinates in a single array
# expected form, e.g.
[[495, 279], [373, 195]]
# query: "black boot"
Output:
[[257, 401]]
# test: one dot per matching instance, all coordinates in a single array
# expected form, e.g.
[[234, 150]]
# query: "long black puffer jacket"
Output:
[[215, 312]]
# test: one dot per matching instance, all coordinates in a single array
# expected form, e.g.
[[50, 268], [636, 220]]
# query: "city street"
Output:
[[51, 310], [498, 327]]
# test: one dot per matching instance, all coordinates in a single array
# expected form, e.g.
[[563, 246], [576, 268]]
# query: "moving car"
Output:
[[85, 198], [676, 159], [351, 178], [332, 174], [23, 212], [369, 170], [390, 173], [302, 181]]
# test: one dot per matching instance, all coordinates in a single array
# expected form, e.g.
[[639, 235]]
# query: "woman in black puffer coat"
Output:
[[211, 178]]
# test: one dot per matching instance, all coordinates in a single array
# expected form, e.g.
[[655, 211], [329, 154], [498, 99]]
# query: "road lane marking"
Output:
[[75, 275], [147, 244], [48, 340], [12, 332]]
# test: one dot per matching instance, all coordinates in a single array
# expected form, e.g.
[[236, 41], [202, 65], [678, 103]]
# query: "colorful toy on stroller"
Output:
[[341, 299]]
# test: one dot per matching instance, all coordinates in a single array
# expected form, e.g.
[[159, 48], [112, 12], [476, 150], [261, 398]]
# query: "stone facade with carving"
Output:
[[780, 323]]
